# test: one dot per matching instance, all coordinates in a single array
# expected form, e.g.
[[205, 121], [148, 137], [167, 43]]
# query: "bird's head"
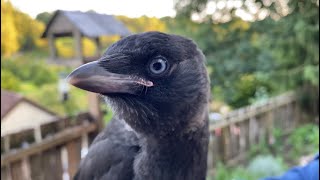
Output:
[[156, 82]]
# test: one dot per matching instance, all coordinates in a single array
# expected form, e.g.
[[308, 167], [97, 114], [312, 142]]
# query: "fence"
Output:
[[51, 152], [55, 150], [233, 135]]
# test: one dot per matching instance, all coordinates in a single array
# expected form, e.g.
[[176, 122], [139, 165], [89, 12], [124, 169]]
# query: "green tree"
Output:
[[29, 30], [18, 30], [44, 17], [278, 46], [143, 24], [9, 33]]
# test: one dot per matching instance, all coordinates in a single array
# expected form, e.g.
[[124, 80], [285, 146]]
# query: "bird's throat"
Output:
[[173, 157]]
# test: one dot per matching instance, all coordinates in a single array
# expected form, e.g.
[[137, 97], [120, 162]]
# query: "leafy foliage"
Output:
[[9, 33], [278, 48], [234, 52], [226, 173], [18, 30], [35, 71], [44, 17], [308, 135], [302, 141], [48, 96], [9, 81], [30, 76], [259, 167], [143, 24]]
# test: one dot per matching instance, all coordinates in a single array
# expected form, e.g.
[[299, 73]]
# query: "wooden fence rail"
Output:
[[233, 135], [55, 156], [57, 152]]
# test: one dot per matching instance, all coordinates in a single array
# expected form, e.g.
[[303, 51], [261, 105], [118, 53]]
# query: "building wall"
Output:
[[24, 116]]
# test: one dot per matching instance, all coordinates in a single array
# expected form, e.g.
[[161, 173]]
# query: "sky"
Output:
[[130, 8]]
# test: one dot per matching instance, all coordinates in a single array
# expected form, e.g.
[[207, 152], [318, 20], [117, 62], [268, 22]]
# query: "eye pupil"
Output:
[[157, 66]]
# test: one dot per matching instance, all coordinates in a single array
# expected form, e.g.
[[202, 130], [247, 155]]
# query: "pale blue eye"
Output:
[[158, 66]]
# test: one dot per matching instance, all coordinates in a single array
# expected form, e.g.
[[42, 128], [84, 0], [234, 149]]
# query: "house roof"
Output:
[[91, 24], [10, 99]]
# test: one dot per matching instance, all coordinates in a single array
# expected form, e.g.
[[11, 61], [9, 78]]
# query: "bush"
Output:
[[29, 75], [305, 135], [9, 81], [34, 71], [48, 96], [248, 89], [265, 166], [224, 173]]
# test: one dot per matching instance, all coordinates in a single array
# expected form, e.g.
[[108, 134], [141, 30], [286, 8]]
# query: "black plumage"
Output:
[[158, 87]]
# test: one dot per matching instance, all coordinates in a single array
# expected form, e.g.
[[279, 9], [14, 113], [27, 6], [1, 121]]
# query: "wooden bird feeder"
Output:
[[77, 25]]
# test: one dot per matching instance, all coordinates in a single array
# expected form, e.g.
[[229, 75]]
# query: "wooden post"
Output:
[[270, 126], [7, 143], [252, 131], [17, 171], [74, 156], [6, 172], [226, 143], [52, 47], [37, 134], [261, 129], [234, 149], [52, 165], [26, 168], [288, 117], [98, 45], [78, 44], [296, 113], [243, 137], [95, 110], [36, 167]]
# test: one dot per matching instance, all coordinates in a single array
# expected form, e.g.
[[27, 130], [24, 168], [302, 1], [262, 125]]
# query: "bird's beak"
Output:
[[94, 78]]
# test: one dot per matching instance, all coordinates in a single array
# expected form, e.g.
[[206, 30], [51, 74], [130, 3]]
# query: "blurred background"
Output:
[[262, 56]]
